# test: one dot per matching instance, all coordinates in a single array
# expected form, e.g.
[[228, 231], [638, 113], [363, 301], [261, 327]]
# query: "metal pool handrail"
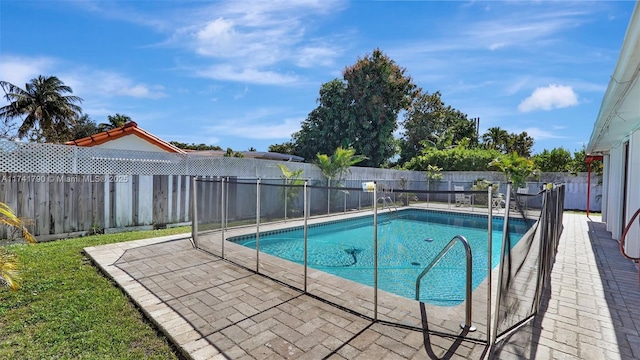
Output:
[[467, 248], [388, 204]]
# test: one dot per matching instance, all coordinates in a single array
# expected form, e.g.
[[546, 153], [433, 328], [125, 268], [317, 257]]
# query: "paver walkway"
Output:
[[213, 309]]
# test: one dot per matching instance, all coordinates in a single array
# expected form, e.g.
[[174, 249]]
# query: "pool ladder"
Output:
[[387, 201], [467, 319]]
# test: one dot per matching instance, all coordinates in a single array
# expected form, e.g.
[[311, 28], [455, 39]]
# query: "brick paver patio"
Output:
[[214, 309]]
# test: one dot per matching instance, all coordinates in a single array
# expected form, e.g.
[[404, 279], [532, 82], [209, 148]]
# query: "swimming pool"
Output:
[[407, 242]]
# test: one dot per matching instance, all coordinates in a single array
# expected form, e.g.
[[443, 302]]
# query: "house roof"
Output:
[[619, 113], [130, 128], [250, 155]]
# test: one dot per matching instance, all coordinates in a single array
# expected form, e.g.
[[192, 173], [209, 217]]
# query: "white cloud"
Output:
[[316, 55], [20, 70], [497, 46], [142, 91], [516, 86], [241, 94], [109, 83], [540, 134], [244, 41], [252, 128], [550, 97], [229, 72]]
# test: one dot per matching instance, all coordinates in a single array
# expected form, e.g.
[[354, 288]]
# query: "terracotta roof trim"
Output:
[[130, 128]]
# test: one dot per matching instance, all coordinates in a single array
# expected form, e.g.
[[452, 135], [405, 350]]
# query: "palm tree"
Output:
[[84, 127], [48, 112], [496, 138], [515, 167], [337, 166], [8, 261], [115, 121]]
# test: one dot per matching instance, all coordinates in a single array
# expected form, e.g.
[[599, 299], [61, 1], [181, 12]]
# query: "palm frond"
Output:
[[9, 270], [9, 218]]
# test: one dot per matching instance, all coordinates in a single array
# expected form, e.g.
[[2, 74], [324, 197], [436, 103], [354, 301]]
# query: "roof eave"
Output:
[[624, 77]]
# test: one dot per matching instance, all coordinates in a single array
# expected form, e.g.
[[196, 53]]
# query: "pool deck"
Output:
[[212, 308]]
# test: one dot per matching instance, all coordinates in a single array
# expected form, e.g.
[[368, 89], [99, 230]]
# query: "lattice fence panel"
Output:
[[36, 158], [111, 161]]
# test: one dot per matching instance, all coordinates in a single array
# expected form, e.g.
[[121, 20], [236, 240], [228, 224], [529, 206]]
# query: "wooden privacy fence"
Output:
[[61, 205]]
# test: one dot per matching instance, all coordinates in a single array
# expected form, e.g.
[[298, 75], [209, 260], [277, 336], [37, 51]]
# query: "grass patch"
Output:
[[67, 309]]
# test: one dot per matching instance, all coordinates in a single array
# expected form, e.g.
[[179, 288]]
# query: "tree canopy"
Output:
[[459, 158], [359, 112], [501, 140], [326, 126], [84, 126], [48, 112], [430, 123], [284, 148], [114, 121], [556, 160], [194, 146], [516, 168]]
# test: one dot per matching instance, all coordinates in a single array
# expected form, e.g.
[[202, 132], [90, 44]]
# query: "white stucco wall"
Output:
[[605, 187], [614, 191], [633, 195], [130, 142]]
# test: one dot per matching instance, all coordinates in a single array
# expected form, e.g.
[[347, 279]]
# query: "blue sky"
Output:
[[244, 74]]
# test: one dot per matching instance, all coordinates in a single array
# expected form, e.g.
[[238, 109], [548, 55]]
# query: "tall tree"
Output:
[[430, 123], [556, 160], [326, 127], [520, 144], [496, 138], [284, 148], [499, 139], [360, 112], [48, 113], [114, 121], [84, 127], [377, 90]]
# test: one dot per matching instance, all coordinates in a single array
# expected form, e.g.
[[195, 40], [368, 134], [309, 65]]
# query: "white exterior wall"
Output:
[[130, 142], [605, 187], [615, 184], [632, 245]]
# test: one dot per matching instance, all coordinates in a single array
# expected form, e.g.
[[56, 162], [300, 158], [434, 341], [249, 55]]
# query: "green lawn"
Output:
[[67, 309]]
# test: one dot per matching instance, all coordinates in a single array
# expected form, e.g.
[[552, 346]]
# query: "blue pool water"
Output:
[[407, 242]]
